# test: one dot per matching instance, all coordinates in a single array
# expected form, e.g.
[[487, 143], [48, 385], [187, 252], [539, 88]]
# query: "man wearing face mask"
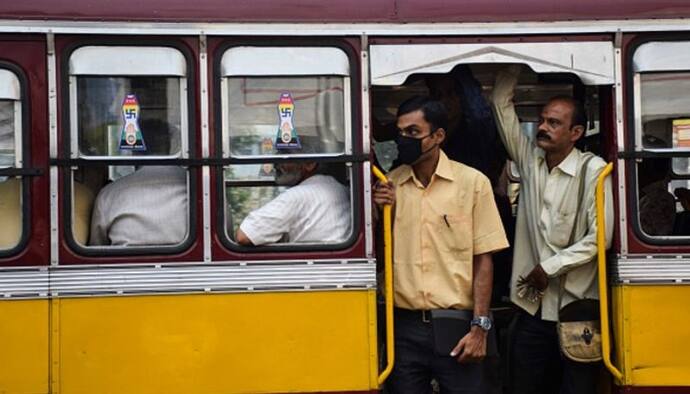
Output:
[[316, 208], [446, 226]]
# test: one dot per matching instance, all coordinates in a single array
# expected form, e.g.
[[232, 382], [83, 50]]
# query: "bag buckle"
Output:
[[587, 336]]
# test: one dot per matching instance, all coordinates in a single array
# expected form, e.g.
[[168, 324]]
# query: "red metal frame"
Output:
[[635, 244], [28, 53], [219, 251], [195, 252], [343, 11]]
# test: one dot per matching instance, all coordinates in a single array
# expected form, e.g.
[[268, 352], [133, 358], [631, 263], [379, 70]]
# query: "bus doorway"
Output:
[[462, 77]]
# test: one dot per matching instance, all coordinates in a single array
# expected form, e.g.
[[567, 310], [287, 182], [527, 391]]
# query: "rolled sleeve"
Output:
[[268, 223]]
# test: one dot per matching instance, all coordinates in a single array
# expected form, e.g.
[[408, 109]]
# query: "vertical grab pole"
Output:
[[603, 294], [388, 272]]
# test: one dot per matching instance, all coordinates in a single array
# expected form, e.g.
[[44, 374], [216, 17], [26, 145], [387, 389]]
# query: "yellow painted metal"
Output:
[[621, 334], [54, 348], [226, 343], [388, 273], [24, 347], [603, 291], [373, 342], [654, 334]]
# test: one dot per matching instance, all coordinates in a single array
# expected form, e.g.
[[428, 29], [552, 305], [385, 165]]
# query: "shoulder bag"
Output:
[[579, 326]]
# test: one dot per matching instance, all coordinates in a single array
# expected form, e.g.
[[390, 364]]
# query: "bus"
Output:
[[201, 313]]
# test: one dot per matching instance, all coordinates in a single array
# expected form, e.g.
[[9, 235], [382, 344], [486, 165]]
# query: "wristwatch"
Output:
[[483, 322]]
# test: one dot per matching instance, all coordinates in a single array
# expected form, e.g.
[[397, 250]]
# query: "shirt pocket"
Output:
[[561, 228], [454, 232]]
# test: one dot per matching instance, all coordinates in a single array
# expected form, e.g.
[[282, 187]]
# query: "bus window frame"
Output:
[[633, 147], [190, 152], [24, 156], [353, 140], [513, 50]]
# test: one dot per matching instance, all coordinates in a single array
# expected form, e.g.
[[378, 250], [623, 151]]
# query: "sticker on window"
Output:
[[131, 137], [681, 133], [287, 137]]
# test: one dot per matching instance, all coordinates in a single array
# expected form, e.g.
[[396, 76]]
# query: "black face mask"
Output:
[[410, 149]]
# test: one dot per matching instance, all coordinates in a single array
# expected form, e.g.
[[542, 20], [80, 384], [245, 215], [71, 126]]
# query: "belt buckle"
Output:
[[426, 316]]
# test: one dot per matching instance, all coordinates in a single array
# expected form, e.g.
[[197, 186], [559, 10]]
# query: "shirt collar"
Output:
[[312, 179], [443, 170], [569, 164]]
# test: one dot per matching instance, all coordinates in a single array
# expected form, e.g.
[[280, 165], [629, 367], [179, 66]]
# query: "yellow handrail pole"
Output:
[[601, 256], [388, 275]]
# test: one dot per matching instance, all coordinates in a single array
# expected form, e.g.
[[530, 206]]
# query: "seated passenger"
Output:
[[657, 204], [83, 204], [316, 208], [682, 224], [10, 213], [147, 207]]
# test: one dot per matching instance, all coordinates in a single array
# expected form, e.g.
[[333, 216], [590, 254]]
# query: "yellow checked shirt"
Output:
[[436, 232]]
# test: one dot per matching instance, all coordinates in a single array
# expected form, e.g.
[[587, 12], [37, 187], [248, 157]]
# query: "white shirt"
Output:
[[145, 208], [316, 210], [546, 212]]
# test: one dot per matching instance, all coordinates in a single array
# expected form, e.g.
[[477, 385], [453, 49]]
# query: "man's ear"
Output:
[[441, 135], [578, 132], [310, 166]]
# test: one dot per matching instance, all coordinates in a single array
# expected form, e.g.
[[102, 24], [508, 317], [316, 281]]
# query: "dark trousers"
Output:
[[416, 363], [537, 365]]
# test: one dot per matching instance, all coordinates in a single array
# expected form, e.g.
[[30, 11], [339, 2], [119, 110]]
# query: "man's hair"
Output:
[[434, 111], [579, 116], [157, 134]]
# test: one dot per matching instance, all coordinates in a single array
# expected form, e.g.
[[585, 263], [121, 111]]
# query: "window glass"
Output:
[[665, 114], [303, 203], [242, 199], [309, 106], [149, 207], [294, 202], [130, 207], [7, 134], [664, 118], [113, 114], [10, 187]]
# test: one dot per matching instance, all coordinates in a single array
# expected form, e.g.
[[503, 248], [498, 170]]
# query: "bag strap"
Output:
[[580, 195]]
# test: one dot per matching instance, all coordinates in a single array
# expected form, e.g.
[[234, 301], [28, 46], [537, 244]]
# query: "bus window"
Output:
[[11, 214], [128, 106], [274, 109], [662, 122]]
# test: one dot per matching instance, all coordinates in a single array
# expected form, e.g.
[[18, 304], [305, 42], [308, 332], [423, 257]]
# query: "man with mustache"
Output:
[[555, 242], [316, 208]]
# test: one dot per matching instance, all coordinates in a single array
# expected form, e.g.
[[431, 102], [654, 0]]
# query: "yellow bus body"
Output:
[[647, 321], [24, 347], [223, 343]]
